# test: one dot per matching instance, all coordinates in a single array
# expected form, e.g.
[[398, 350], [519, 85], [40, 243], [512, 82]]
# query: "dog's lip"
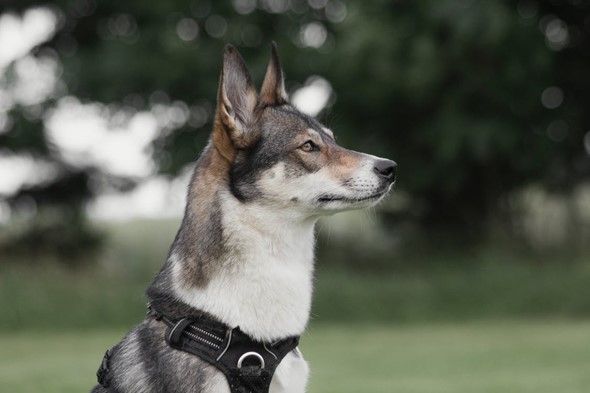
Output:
[[338, 198]]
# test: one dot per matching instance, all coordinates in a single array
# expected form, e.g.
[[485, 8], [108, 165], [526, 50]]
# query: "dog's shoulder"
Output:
[[143, 362]]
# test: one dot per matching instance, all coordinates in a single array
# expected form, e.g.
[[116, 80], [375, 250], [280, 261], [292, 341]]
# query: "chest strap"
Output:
[[248, 365]]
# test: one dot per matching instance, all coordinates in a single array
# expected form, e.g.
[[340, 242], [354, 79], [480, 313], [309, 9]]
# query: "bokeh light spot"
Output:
[[552, 97], [275, 6], [336, 11], [216, 26], [187, 29], [313, 97], [244, 7], [317, 4], [557, 34], [18, 35], [313, 34], [557, 130]]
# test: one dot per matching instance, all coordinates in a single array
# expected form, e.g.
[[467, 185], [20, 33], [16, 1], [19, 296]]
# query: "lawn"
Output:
[[531, 356], [488, 324]]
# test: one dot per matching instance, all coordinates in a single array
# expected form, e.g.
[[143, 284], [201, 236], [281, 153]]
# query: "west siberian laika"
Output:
[[244, 253]]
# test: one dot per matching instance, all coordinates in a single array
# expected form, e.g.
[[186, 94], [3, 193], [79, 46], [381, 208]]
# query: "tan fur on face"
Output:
[[340, 162], [343, 163]]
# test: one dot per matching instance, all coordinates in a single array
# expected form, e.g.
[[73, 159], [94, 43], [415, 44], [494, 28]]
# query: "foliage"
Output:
[[449, 89], [69, 238]]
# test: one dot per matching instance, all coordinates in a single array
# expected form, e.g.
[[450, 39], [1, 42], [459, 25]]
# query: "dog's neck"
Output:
[[246, 264]]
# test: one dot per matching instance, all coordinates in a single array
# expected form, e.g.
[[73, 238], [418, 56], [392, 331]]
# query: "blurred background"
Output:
[[474, 276]]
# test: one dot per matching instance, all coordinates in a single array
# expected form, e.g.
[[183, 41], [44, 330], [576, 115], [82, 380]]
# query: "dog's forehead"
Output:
[[287, 120]]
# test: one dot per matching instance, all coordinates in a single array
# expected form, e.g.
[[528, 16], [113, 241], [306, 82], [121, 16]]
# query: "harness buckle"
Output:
[[173, 337]]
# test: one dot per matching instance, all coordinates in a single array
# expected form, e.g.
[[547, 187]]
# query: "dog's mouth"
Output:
[[339, 198]]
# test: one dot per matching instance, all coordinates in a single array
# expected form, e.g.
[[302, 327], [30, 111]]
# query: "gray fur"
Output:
[[143, 363], [279, 128]]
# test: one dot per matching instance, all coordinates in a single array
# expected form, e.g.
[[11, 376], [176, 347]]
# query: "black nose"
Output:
[[386, 169]]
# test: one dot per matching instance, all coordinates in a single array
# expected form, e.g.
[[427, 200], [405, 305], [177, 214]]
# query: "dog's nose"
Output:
[[385, 169]]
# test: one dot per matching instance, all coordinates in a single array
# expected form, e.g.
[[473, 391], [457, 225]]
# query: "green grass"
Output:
[[433, 327], [503, 357], [105, 297], [109, 292]]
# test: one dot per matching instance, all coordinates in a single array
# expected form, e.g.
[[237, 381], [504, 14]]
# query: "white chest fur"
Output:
[[264, 281]]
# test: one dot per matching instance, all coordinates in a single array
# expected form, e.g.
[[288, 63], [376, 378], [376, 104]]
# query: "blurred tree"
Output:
[[472, 98]]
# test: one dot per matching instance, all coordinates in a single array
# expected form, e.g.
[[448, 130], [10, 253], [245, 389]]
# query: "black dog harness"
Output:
[[248, 365]]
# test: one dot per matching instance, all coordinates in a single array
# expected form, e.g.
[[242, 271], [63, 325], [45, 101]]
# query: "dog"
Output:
[[244, 254]]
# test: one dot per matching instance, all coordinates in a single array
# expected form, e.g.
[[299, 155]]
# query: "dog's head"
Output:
[[284, 158]]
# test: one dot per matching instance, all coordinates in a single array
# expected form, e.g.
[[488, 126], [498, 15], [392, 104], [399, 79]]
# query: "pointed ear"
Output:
[[273, 88], [236, 100]]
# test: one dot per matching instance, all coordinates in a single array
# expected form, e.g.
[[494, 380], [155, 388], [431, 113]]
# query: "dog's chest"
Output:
[[264, 280], [268, 301]]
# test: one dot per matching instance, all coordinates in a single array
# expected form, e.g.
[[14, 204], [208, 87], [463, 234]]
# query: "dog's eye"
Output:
[[309, 146]]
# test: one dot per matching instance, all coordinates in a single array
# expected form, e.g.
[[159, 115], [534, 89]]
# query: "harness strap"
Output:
[[248, 365]]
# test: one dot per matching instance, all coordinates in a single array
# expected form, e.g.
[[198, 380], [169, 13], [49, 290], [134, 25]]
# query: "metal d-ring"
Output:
[[248, 354]]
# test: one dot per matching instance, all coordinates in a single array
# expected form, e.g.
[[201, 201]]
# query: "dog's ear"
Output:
[[236, 100], [273, 87]]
